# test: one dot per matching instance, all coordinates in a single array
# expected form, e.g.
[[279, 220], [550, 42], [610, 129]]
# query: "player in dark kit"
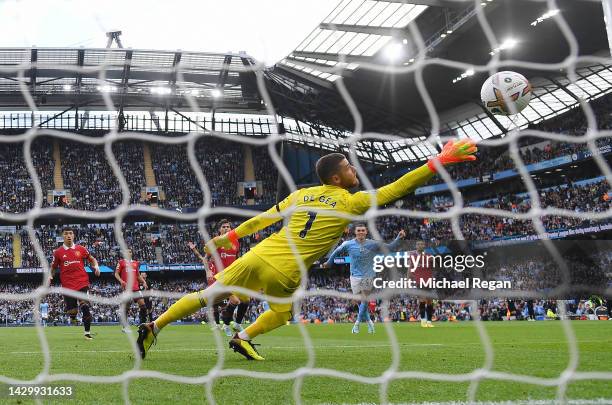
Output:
[[422, 272], [210, 279], [124, 267], [227, 256], [68, 258], [147, 300]]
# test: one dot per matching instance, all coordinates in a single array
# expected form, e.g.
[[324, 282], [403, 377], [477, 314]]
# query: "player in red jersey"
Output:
[[124, 267], [210, 279], [239, 301], [68, 258], [421, 272], [372, 308], [228, 256]]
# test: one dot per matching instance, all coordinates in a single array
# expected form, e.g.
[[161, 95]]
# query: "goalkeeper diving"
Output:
[[314, 225]]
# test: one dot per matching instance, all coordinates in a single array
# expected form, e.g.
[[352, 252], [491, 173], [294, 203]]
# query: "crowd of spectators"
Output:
[[174, 242], [533, 150], [42, 157], [16, 312], [93, 185], [320, 307], [530, 274], [590, 271], [22, 311], [222, 164], [98, 239], [593, 197], [89, 177], [143, 238], [267, 172], [498, 159], [48, 242], [6, 249], [171, 239], [175, 176], [17, 191], [129, 156]]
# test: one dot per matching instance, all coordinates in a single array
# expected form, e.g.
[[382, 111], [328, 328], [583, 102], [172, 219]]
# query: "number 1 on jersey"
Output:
[[311, 217]]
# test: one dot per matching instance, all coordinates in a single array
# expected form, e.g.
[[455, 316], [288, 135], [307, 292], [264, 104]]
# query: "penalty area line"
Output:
[[185, 349], [321, 347], [599, 401]]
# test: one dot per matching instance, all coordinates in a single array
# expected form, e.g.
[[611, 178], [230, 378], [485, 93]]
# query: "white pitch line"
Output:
[[299, 347], [302, 347], [214, 350], [599, 401]]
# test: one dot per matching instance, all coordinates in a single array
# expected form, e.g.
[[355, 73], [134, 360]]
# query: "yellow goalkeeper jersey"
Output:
[[319, 217], [314, 226]]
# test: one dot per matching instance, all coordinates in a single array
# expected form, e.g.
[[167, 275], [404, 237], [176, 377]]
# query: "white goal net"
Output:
[[515, 129]]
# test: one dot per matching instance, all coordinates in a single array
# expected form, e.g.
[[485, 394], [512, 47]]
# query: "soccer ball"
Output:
[[506, 93]]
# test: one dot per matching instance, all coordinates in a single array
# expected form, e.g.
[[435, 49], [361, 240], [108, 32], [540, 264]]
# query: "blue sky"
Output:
[[266, 29]]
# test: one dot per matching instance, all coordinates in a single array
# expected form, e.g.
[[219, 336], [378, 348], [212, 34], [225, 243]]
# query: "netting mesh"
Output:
[[459, 208]]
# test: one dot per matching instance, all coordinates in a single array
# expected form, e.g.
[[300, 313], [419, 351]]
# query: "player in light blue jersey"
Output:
[[44, 312], [362, 252]]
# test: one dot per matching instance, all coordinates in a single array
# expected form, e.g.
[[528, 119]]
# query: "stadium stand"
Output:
[[585, 196], [266, 171], [221, 162], [527, 275], [17, 191], [89, 177], [86, 173], [223, 166], [129, 155], [591, 197], [6, 250], [175, 176]]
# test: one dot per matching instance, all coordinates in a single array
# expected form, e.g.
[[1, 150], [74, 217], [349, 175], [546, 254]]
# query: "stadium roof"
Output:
[[450, 30], [373, 31], [134, 78], [355, 33], [550, 98]]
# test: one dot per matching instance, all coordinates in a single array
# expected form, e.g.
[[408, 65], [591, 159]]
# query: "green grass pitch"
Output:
[[532, 348]]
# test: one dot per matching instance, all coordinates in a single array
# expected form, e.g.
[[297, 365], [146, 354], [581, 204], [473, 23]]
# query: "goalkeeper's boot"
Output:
[[423, 323], [429, 324], [371, 327], [227, 330], [355, 328], [88, 336], [245, 347], [146, 338], [236, 327]]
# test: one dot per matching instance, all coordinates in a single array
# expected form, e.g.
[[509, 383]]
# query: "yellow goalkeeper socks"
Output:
[[187, 305], [266, 322]]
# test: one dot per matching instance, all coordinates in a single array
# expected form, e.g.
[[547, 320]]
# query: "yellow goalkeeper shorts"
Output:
[[250, 271]]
